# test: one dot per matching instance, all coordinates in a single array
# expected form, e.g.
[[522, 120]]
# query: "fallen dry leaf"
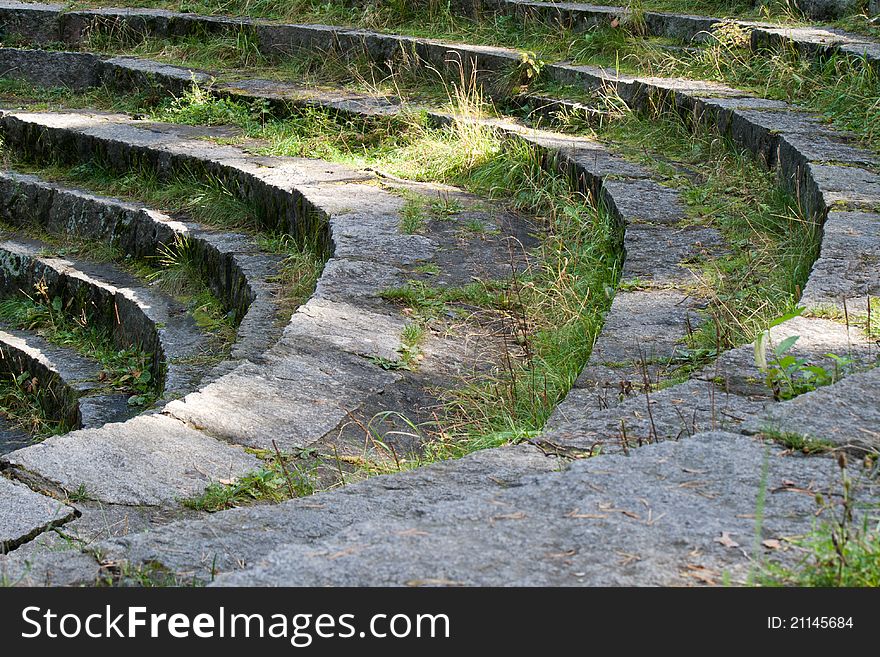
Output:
[[726, 541], [702, 574], [411, 532], [561, 555], [771, 544]]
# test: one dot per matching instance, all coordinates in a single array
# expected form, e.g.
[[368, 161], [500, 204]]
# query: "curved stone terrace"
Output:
[[652, 434]]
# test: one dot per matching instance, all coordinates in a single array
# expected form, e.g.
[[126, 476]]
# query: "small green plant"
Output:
[[800, 443], [128, 370], [412, 216], [278, 481], [788, 375], [24, 403]]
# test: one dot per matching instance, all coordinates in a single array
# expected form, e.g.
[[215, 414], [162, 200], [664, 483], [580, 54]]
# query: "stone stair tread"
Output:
[[653, 518], [71, 367], [293, 398], [848, 266], [643, 326], [24, 514], [148, 460], [228, 539], [676, 412]]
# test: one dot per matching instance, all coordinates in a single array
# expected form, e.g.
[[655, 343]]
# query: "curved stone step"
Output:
[[846, 415], [134, 315], [237, 538], [304, 386], [47, 23], [657, 517], [811, 40], [232, 264], [722, 396], [149, 460], [67, 381]]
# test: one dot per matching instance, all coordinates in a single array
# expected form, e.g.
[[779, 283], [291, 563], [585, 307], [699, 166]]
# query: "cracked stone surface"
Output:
[[25, 514], [653, 518], [236, 538], [50, 559]]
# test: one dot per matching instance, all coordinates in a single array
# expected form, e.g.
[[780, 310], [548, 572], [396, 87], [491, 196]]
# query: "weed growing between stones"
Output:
[[799, 443], [282, 477], [177, 269], [843, 549], [789, 376], [125, 370], [769, 245], [23, 404]]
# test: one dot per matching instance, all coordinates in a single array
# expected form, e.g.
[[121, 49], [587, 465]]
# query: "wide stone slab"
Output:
[[299, 394], [678, 513], [233, 539], [347, 327], [643, 329], [148, 460], [24, 514]]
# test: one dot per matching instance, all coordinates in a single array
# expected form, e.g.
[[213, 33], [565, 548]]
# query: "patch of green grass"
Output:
[[126, 370], [798, 442], [841, 551], [23, 403], [280, 479], [412, 216], [428, 301], [298, 272]]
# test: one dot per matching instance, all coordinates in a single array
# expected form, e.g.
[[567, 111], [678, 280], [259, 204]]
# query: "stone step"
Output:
[[721, 396], [134, 315], [237, 538], [68, 383], [670, 514], [846, 415], [46, 23], [149, 460], [815, 41], [232, 264], [25, 514]]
